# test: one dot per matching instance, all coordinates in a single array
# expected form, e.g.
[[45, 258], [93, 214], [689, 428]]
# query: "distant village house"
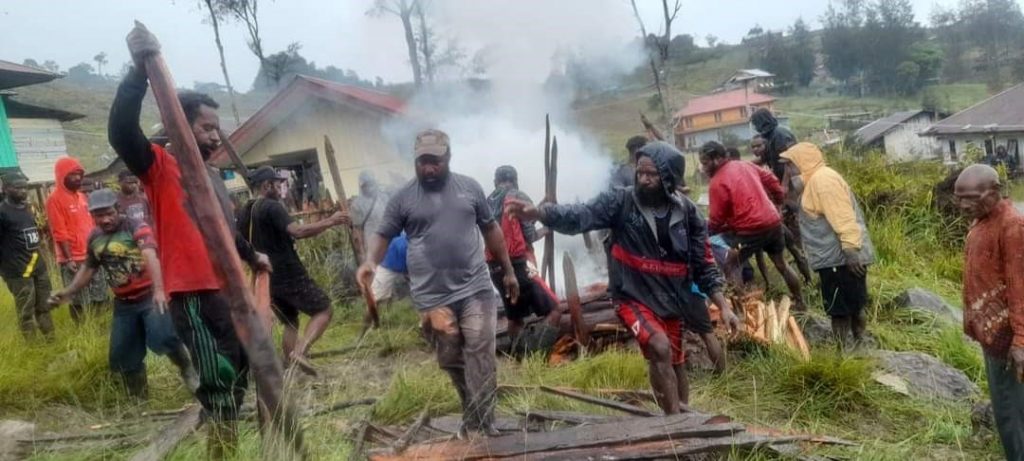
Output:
[[996, 121], [756, 80], [899, 136], [721, 117]]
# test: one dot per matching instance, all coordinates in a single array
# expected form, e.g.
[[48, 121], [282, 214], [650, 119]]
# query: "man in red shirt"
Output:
[[70, 226], [744, 208], [994, 296], [200, 313]]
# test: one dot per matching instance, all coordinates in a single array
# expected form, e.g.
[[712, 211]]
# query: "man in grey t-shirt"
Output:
[[443, 215]]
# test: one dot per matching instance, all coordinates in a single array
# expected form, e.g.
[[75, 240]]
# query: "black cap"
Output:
[[102, 198], [13, 178], [506, 173], [264, 173]]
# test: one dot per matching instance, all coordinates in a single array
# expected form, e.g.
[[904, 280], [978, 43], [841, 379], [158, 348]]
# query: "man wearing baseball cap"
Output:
[[22, 266], [443, 214], [126, 251], [268, 227]]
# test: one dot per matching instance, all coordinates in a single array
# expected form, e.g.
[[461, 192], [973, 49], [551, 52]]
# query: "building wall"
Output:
[[903, 142], [716, 119], [355, 134], [692, 141], [968, 141], [38, 144]]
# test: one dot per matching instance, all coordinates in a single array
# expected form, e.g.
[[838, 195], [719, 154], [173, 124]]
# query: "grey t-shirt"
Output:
[[445, 255], [367, 213]]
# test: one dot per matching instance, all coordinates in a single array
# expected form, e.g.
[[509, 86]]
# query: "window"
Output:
[[988, 147], [691, 141], [718, 117], [952, 150], [743, 112], [688, 122]]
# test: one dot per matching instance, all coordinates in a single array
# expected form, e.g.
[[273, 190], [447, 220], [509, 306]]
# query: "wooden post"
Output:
[[235, 158], [547, 192], [551, 197], [572, 299], [209, 218]]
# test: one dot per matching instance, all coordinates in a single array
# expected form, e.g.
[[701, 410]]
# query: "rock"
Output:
[[10, 431], [982, 416], [817, 330], [923, 300], [928, 377]]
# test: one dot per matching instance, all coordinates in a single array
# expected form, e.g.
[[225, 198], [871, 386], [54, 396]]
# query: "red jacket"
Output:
[[743, 199], [68, 213]]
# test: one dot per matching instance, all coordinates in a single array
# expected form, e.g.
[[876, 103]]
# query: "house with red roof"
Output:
[[721, 117], [288, 132]]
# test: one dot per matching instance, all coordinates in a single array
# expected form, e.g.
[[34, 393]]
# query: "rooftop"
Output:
[[1003, 112], [873, 131], [722, 101]]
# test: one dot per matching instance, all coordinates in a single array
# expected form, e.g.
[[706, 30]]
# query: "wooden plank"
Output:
[[572, 298], [449, 424], [205, 208], [662, 449], [615, 405], [170, 436], [570, 417], [407, 437], [621, 394], [549, 242], [610, 434], [235, 158], [342, 405], [798, 338]]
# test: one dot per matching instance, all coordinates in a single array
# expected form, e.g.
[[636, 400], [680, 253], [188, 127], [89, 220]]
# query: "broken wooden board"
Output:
[[615, 405], [661, 449], [631, 431], [171, 436], [570, 417], [450, 424]]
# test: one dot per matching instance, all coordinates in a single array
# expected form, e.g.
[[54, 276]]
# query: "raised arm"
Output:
[[123, 129], [301, 231]]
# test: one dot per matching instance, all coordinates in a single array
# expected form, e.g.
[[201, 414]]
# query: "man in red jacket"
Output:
[[70, 226], [744, 208]]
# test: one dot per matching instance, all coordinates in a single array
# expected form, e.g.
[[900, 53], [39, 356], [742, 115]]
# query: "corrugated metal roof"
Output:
[[18, 109], [1003, 112], [871, 132], [14, 75], [722, 101]]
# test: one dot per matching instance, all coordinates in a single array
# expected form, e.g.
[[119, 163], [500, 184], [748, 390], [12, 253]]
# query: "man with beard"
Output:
[[70, 226], [994, 296], [776, 139], [743, 209], [443, 215], [535, 297], [200, 313], [757, 149], [266, 224], [659, 250], [125, 249], [22, 266], [367, 209], [131, 201]]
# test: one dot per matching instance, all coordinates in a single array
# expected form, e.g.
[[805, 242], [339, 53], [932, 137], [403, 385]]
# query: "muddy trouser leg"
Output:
[[1007, 405], [128, 346], [477, 319], [23, 291], [441, 328], [203, 323], [162, 340], [42, 309], [794, 243]]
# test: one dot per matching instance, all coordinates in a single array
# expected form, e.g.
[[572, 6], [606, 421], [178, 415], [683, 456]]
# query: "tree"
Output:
[[403, 9], [31, 63], [51, 66], [101, 60], [711, 40], [246, 11], [840, 39], [802, 53], [81, 73], [217, 10], [658, 53], [950, 35], [278, 66]]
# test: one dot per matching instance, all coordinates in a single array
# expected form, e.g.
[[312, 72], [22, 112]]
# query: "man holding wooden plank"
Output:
[[201, 315], [835, 238], [659, 248]]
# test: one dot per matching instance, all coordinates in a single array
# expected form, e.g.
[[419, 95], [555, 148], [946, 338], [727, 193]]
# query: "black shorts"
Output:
[[843, 293], [533, 297], [771, 241], [296, 295], [202, 321], [696, 317]]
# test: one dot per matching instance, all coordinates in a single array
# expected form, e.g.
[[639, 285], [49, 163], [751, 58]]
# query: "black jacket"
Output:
[[776, 138], [640, 268]]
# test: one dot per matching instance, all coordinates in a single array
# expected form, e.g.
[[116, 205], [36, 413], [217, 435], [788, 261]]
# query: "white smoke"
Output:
[[501, 122]]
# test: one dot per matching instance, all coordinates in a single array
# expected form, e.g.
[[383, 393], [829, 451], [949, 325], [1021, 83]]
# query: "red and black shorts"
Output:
[[645, 325]]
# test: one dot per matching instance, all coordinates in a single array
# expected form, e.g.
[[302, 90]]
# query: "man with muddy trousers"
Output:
[[22, 266], [200, 313], [659, 250], [126, 251], [535, 297], [443, 215], [266, 224]]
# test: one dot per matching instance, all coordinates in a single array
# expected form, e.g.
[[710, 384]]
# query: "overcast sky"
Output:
[[339, 33]]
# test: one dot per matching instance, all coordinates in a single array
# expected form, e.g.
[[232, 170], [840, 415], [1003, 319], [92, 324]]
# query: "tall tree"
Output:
[[247, 11], [658, 53], [404, 10], [840, 40], [101, 60], [216, 14], [949, 33], [802, 52]]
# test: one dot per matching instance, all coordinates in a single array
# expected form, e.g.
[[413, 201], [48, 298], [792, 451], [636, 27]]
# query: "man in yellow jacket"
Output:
[[835, 238]]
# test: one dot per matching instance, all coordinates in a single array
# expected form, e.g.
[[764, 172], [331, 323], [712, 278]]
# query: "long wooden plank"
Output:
[[549, 242], [570, 417], [610, 434], [572, 299], [202, 202], [615, 405], [171, 436], [235, 158], [662, 449]]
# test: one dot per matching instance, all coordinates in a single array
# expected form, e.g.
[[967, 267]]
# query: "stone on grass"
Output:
[[982, 416], [919, 299], [928, 377], [11, 431]]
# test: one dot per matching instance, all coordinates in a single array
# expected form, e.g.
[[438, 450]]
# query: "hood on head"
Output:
[[807, 157], [763, 120], [668, 160], [64, 167]]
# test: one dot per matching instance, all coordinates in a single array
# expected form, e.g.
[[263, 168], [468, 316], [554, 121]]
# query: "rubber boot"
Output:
[[180, 358], [135, 383], [222, 441]]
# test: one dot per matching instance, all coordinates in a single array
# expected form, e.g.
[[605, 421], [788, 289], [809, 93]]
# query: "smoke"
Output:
[[499, 119]]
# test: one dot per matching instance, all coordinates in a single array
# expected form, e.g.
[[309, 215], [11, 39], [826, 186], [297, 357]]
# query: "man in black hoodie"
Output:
[[776, 139], [659, 248]]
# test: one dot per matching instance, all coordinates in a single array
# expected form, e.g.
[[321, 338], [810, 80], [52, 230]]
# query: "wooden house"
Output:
[[721, 117]]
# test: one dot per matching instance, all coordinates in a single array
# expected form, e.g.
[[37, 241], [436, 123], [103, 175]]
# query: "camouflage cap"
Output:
[[431, 142]]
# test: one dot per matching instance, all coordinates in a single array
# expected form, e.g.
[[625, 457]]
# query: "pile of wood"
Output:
[[634, 433], [772, 324]]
